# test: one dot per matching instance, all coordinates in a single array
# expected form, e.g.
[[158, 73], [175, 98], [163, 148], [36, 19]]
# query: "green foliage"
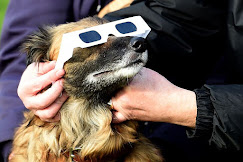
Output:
[[3, 8]]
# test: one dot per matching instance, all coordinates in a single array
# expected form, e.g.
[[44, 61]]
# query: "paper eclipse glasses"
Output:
[[133, 26]]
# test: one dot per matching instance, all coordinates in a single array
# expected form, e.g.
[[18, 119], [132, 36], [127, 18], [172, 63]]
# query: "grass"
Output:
[[3, 8]]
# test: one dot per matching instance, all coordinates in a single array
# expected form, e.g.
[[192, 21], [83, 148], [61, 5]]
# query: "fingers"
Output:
[[33, 81], [50, 114], [46, 79], [10, 157], [122, 112], [43, 100], [32, 84], [118, 117], [45, 67], [36, 77]]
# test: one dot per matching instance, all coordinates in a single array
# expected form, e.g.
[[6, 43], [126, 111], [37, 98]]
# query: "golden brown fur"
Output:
[[83, 124]]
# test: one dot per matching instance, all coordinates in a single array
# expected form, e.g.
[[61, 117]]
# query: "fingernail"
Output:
[[57, 117], [60, 73], [61, 82], [110, 102], [60, 95], [114, 117], [11, 156], [114, 120], [52, 62]]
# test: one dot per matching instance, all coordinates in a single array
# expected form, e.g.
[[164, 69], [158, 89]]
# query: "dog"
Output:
[[93, 75]]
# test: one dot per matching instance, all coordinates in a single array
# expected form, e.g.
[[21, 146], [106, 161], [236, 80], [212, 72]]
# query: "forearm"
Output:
[[184, 109]]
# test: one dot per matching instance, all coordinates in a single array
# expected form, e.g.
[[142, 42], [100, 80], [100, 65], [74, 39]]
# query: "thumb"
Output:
[[10, 157], [118, 117]]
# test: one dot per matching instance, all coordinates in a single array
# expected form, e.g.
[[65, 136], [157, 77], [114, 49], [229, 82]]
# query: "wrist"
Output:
[[184, 108], [205, 112]]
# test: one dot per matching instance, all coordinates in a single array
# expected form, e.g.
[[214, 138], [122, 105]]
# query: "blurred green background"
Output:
[[3, 8]]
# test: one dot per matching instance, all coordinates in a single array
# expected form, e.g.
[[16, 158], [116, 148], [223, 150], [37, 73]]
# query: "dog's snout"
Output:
[[138, 44]]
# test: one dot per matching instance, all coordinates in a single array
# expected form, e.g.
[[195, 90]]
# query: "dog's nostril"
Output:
[[138, 44]]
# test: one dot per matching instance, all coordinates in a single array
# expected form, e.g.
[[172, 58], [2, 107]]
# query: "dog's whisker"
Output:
[[127, 80]]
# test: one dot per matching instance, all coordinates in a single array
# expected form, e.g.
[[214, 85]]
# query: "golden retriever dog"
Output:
[[93, 75]]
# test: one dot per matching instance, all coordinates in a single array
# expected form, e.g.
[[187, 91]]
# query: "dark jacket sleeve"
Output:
[[220, 107], [220, 116]]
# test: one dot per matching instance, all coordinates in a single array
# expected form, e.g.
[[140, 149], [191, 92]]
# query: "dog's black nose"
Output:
[[138, 44]]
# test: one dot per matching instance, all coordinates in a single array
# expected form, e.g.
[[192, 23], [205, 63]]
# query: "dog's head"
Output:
[[94, 73]]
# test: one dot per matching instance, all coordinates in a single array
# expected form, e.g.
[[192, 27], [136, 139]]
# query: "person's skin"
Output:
[[148, 97], [151, 97], [44, 104]]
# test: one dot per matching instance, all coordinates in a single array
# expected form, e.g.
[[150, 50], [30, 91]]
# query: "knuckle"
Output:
[[37, 87], [27, 105], [31, 66], [48, 115], [19, 93], [41, 105], [31, 104], [51, 76], [41, 115], [21, 89], [58, 102], [61, 100], [57, 88]]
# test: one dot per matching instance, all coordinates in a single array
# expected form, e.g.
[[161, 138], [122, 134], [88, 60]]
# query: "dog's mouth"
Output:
[[126, 68], [134, 64]]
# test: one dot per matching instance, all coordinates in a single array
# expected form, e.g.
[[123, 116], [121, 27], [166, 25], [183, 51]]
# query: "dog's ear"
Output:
[[37, 46]]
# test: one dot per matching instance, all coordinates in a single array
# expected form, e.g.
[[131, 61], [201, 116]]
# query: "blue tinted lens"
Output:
[[126, 27], [90, 36]]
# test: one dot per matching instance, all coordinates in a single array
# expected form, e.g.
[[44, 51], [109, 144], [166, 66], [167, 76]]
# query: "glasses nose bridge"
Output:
[[113, 32]]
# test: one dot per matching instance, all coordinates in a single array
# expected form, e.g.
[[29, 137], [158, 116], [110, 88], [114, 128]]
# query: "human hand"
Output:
[[34, 80], [114, 6], [151, 97]]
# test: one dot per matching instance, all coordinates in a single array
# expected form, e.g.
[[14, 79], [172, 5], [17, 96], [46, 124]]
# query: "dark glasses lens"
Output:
[[90, 36], [126, 27]]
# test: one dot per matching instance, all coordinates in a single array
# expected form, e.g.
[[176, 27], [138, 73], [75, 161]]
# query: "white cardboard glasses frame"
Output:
[[72, 40]]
